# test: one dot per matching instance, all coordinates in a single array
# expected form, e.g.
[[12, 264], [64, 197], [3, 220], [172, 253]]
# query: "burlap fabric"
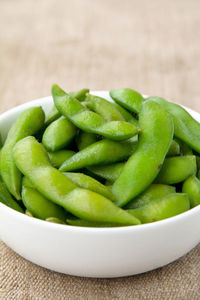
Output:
[[152, 46]]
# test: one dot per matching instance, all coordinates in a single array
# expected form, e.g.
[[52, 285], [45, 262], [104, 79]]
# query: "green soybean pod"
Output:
[[28, 123], [7, 199], [84, 223], [58, 134], [177, 169], [39, 206], [90, 121], [128, 117], [128, 98], [102, 152], [104, 108], [33, 162], [174, 149], [186, 128], [59, 157], [85, 139], [144, 165], [191, 187], [54, 114], [89, 183], [109, 172], [153, 192], [163, 208]]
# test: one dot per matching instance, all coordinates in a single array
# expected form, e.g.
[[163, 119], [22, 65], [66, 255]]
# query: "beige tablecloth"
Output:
[[151, 46]]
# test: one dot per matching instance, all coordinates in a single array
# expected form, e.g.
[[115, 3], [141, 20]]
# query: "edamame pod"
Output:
[[177, 169], [192, 188], [128, 98], [186, 128], [59, 157], [108, 172], [166, 207], [85, 139], [153, 192], [33, 162], [174, 149], [108, 110], [7, 199], [58, 134], [87, 182], [28, 123], [103, 108], [144, 165], [84, 223], [112, 172], [90, 121], [102, 152], [39, 206], [54, 114]]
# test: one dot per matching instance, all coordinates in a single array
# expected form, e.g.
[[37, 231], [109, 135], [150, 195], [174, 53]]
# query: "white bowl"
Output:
[[96, 252]]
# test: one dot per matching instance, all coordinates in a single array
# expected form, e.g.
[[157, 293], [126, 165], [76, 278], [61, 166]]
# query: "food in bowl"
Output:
[[95, 163]]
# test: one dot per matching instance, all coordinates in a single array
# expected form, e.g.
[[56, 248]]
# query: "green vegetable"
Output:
[[7, 199], [90, 121], [33, 162], [85, 139], [153, 192], [186, 128], [177, 169], [192, 188], [128, 98], [144, 165], [166, 207], [28, 123], [102, 152], [89, 183], [59, 157]]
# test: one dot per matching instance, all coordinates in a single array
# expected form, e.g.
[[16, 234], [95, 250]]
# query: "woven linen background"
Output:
[[151, 46]]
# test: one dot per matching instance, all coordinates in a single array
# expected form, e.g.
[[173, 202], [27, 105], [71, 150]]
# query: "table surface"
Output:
[[151, 46]]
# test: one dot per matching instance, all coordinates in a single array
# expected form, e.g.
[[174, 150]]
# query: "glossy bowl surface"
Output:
[[96, 252]]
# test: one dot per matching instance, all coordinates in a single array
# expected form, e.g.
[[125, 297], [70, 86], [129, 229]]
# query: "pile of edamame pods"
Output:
[[95, 163]]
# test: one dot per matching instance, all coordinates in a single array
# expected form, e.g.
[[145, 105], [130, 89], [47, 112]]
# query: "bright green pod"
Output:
[[153, 192], [39, 206], [163, 208], [104, 108], [128, 117], [102, 152], [55, 220], [128, 98], [1, 143], [111, 172], [89, 183], [85, 139], [191, 187], [84, 223], [54, 114], [33, 162], [144, 165], [174, 149], [108, 172], [28, 123], [90, 121], [177, 169], [59, 157], [58, 134], [186, 128], [7, 199]]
